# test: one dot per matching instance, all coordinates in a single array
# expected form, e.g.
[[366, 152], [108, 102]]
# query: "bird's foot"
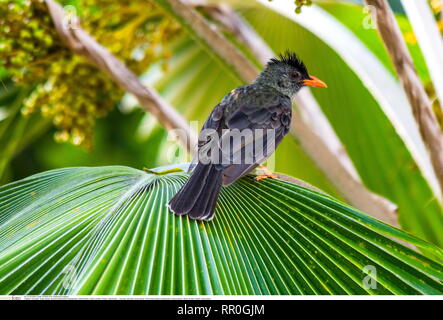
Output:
[[163, 171], [266, 174]]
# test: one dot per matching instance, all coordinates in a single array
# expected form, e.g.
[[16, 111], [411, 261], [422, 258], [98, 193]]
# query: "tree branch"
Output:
[[81, 43], [206, 34], [236, 25], [317, 143], [423, 23], [421, 106]]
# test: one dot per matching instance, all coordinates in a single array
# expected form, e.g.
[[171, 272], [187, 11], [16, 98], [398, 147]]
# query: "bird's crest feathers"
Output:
[[291, 59]]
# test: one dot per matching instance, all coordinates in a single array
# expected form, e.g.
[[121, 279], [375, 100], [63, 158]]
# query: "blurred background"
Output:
[[57, 110]]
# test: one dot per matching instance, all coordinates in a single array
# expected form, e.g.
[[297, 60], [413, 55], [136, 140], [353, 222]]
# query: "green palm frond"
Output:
[[107, 230]]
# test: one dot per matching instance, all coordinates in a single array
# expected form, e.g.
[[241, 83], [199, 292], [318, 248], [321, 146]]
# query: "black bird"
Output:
[[264, 104]]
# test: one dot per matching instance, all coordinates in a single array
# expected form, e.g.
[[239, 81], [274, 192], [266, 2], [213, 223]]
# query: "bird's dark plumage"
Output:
[[200, 193], [263, 108]]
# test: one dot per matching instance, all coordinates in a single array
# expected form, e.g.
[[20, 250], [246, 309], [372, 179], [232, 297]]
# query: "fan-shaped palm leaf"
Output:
[[107, 230]]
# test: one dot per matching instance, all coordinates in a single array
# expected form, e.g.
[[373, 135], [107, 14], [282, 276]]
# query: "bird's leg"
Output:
[[266, 173]]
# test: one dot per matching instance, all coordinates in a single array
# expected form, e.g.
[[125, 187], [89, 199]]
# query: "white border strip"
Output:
[[200, 297]]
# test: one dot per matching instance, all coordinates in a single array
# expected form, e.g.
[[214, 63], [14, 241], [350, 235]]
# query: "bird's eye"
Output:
[[295, 75]]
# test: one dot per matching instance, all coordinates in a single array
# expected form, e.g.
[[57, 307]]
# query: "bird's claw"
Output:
[[266, 173], [265, 176]]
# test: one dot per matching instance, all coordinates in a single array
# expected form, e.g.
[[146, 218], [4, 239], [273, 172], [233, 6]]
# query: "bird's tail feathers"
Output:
[[198, 196]]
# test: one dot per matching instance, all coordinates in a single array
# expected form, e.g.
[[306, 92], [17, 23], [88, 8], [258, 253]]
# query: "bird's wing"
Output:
[[214, 123], [268, 124]]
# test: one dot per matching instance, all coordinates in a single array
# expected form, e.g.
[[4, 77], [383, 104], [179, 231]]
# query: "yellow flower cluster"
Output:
[[69, 90], [436, 5], [300, 3], [28, 42]]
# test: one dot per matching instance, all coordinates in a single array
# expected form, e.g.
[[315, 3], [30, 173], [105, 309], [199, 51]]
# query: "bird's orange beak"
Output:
[[314, 82]]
